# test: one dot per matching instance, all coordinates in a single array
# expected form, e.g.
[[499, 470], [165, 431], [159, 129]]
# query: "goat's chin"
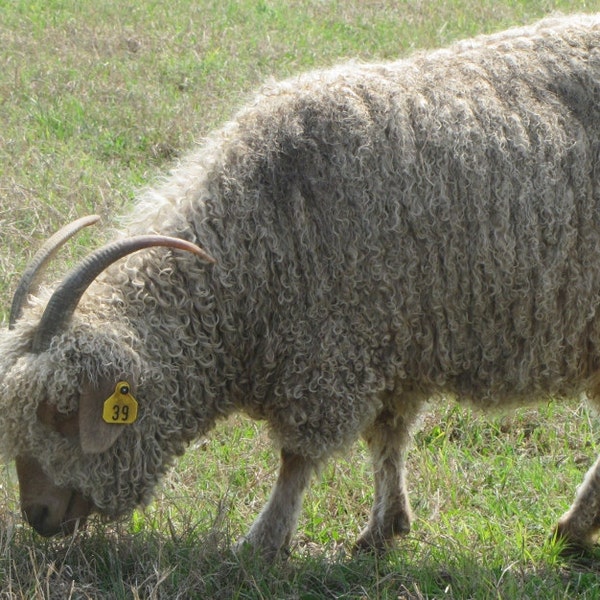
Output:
[[77, 513]]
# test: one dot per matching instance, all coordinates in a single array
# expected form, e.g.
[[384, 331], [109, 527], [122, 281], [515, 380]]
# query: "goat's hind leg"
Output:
[[579, 527], [388, 439]]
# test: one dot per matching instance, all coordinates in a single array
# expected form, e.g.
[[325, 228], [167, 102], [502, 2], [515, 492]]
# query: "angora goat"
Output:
[[375, 236]]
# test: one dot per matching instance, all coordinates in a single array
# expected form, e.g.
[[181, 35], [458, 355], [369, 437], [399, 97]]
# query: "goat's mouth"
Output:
[[47, 522], [49, 509]]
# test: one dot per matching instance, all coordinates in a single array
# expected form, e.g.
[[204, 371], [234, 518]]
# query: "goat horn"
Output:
[[67, 295], [31, 276]]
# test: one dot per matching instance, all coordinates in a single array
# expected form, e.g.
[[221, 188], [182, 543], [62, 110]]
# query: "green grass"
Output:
[[486, 494], [96, 100]]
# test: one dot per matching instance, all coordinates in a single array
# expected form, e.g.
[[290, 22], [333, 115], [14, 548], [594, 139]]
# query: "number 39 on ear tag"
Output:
[[121, 408]]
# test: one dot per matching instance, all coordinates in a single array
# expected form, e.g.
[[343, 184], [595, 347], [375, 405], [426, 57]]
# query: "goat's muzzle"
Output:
[[48, 508]]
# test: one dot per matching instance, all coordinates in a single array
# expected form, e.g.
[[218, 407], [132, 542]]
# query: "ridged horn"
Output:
[[67, 295], [35, 269]]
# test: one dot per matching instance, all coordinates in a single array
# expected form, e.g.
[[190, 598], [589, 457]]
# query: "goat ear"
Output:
[[95, 434]]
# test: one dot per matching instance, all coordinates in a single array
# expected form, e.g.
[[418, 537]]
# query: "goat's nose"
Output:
[[48, 508], [38, 516]]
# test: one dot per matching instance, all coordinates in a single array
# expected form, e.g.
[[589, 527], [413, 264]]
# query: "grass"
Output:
[[486, 494], [96, 100]]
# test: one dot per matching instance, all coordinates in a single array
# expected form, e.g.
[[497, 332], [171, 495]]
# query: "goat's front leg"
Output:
[[273, 529], [580, 525], [388, 440]]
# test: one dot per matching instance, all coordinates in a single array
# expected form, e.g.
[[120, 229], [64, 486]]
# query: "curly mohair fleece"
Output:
[[383, 234]]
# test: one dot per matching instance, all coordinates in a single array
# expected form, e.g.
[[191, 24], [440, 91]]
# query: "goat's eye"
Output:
[[65, 424]]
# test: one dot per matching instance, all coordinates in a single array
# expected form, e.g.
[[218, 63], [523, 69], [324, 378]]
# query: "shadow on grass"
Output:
[[112, 562]]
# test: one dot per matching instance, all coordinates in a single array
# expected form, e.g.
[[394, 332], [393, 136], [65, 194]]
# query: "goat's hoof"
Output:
[[379, 540], [242, 545], [247, 548], [368, 543], [572, 546]]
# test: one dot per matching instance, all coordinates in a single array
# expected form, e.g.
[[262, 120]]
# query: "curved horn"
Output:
[[67, 295], [35, 269]]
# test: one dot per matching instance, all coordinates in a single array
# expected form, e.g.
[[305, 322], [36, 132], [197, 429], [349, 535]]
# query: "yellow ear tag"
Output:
[[121, 408]]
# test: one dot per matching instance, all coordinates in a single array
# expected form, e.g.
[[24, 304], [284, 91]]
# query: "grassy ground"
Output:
[[96, 99]]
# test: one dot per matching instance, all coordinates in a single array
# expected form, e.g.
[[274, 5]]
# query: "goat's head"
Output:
[[68, 392]]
